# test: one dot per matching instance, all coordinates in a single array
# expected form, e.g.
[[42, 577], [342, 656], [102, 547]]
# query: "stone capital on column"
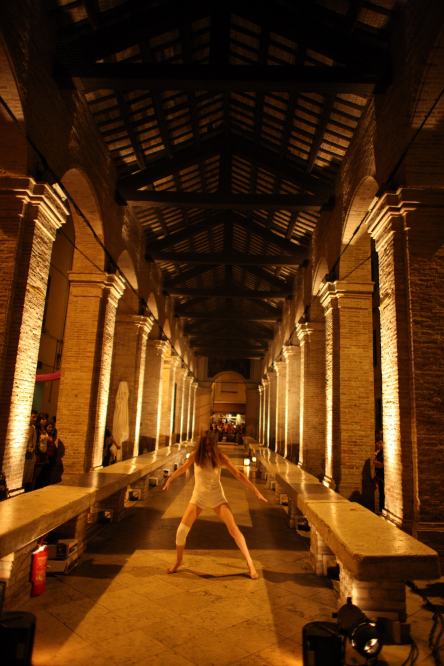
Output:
[[159, 347], [181, 374], [279, 367], [142, 322], [260, 388], [271, 375], [265, 382], [40, 203], [290, 352], [88, 284], [340, 294], [172, 362]]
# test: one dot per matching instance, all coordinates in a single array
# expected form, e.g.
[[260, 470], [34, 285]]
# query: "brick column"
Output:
[[251, 412], [312, 416], [350, 442], [272, 414], [203, 411], [188, 399], [169, 379], [181, 374], [280, 368], [409, 234], [260, 388], [30, 215], [266, 412], [86, 368], [193, 394], [129, 358], [292, 354], [152, 394]]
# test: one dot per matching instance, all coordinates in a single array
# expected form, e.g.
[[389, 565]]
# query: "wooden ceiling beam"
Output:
[[189, 274], [159, 77], [210, 353], [234, 292], [224, 259], [227, 316], [257, 156], [229, 201], [185, 234], [143, 23], [319, 136]]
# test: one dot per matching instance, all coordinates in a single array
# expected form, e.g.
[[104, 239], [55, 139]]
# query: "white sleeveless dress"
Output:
[[208, 489]]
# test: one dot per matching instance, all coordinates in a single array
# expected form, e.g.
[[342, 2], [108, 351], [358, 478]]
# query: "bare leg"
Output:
[[191, 513], [224, 512]]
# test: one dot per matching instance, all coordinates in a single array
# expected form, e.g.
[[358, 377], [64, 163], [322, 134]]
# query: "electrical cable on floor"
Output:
[[88, 224], [438, 622]]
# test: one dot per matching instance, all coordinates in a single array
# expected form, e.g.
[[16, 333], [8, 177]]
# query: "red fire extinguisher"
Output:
[[38, 571]]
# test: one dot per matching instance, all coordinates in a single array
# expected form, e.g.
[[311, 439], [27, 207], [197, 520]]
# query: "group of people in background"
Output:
[[228, 432], [41, 451]]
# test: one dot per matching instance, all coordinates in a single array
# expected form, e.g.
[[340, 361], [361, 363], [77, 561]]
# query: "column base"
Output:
[[15, 570], [74, 529], [116, 504], [375, 598], [321, 557], [329, 482]]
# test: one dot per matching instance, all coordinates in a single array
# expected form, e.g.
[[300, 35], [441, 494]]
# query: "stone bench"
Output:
[[64, 508], [375, 557]]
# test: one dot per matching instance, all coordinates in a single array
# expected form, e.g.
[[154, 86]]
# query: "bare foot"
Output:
[[253, 573], [174, 568]]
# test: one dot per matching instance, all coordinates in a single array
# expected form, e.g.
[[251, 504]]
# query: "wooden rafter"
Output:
[[228, 259], [219, 201], [158, 77]]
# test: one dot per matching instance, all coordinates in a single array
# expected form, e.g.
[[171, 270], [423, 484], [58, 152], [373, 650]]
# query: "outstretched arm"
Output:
[[241, 477], [183, 468]]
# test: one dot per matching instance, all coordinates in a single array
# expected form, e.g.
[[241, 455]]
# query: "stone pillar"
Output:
[[30, 215], [260, 388], [152, 394], [409, 234], [169, 380], [188, 400], [350, 441], [251, 412], [280, 368], [312, 416], [203, 411], [181, 374], [129, 359], [272, 414], [194, 386], [266, 412], [292, 354], [86, 368]]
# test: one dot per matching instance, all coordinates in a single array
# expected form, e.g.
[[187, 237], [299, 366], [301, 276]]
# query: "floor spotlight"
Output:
[[361, 632]]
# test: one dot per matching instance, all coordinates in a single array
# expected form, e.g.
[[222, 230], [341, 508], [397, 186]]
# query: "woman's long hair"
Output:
[[203, 457]]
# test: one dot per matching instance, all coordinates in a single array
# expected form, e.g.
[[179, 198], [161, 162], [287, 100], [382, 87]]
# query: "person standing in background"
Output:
[[31, 456]]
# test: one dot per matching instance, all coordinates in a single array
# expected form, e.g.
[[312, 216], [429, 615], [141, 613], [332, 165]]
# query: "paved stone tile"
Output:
[[119, 606]]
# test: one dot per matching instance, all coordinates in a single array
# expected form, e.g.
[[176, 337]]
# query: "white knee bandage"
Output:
[[181, 535]]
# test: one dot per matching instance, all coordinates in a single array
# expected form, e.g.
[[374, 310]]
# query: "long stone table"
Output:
[[375, 556], [28, 517], [64, 507]]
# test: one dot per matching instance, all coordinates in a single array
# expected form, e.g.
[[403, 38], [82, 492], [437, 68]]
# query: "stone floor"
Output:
[[120, 607]]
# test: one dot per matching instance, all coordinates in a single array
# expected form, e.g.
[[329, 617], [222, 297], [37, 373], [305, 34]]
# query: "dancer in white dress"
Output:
[[208, 461]]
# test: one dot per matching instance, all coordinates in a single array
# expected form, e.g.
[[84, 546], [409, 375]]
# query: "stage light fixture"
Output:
[[247, 462], [253, 459], [361, 632]]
